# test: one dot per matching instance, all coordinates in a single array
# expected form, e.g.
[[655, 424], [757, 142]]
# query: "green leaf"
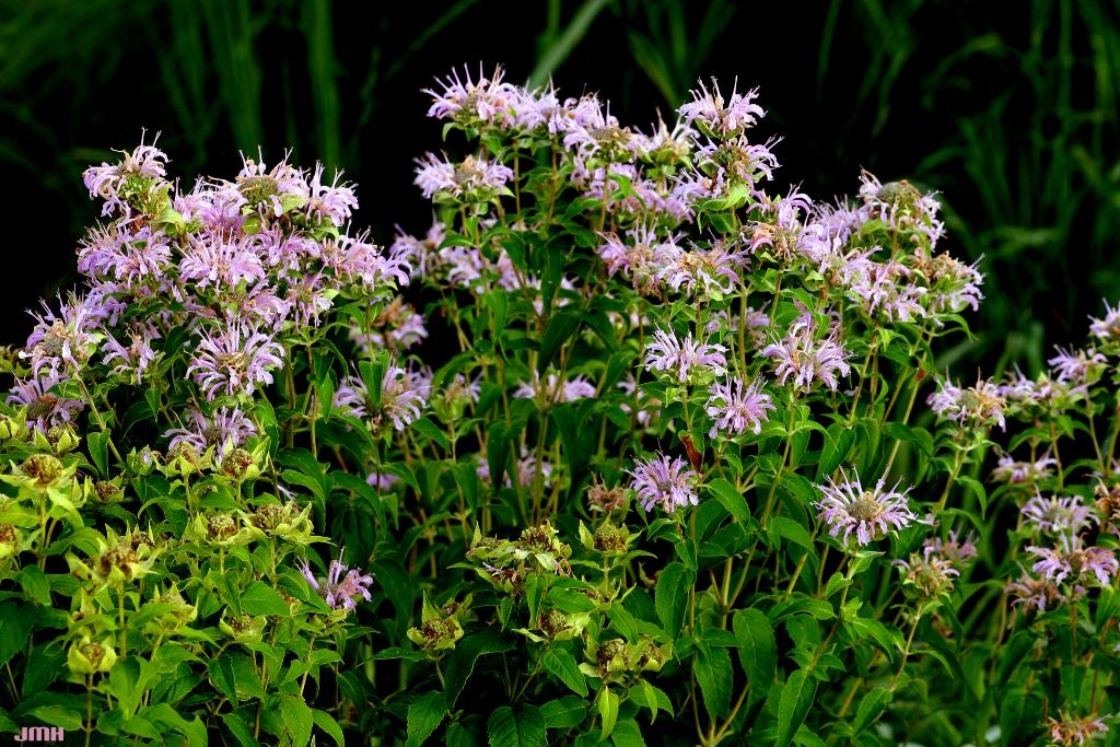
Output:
[[296, 715], [524, 728], [562, 665], [462, 660], [45, 664], [786, 527], [129, 679], [730, 498], [713, 672], [431, 430], [424, 716], [261, 599], [58, 715], [797, 698], [758, 650], [837, 443], [35, 584], [458, 735], [671, 597], [870, 708], [889, 639], [162, 714], [569, 601], [608, 709], [98, 442], [977, 489], [646, 695], [627, 734], [561, 327], [16, 621], [564, 713], [239, 728]]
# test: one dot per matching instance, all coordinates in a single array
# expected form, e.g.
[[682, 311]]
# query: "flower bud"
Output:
[[61, 438], [142, 462], [12, 428], [244, 628], [86, 657], [184, 460]]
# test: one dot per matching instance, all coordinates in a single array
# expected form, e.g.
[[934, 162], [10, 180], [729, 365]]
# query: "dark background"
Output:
[[1011, 116]]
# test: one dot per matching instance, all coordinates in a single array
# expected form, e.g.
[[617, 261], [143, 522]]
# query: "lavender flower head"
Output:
[[235, 360], [339, 591], [1072, 560], [1107, 329], [1066, 516], [737, 407], [684, 360], [981, 405], [848, 507], [1074, 731], [661, 480], [715, 117], [1010, 471], [807, 360]]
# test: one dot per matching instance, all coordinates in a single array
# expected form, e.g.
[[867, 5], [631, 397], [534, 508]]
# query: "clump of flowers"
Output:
[[867, 514], [341, 592]]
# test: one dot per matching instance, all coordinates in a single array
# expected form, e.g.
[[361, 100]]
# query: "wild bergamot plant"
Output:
[[629, 446]]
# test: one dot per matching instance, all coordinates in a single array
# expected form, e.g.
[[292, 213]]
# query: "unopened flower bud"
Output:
[[86, 657], [62, 438], [12, 428], [243, 628], [144, 461]]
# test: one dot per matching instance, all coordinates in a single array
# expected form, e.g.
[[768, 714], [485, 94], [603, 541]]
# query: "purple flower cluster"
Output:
[[404, 395], [340, 592], [684, 361], [669, 483], [978, 406], [807, 359], [737, 407], [865, 513], [240, 265]]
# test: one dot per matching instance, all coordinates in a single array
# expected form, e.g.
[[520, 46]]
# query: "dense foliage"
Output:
[[648, 452]]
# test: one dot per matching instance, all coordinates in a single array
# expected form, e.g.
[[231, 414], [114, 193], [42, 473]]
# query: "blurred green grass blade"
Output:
[[322, 66], [562, 46], [232, 30]]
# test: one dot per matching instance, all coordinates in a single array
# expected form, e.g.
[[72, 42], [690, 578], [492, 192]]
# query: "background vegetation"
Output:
[[1013, 117]]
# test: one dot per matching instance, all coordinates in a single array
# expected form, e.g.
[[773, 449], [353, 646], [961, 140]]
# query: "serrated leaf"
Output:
[[98, 444], [523, 728], [462, 661], [424, 716], [793, 707], [671, 597], [646, 695], [608, 709], [713, 672], [562, 665], [977, 489], [432, 431], [794, 532], [162, 714], [239, 729], [627, 734], [730, 498], [261, 599], [870, 708], [758, 650], [296, 715], [564, 713], [57, 715], [35, 584], [16, 621]]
